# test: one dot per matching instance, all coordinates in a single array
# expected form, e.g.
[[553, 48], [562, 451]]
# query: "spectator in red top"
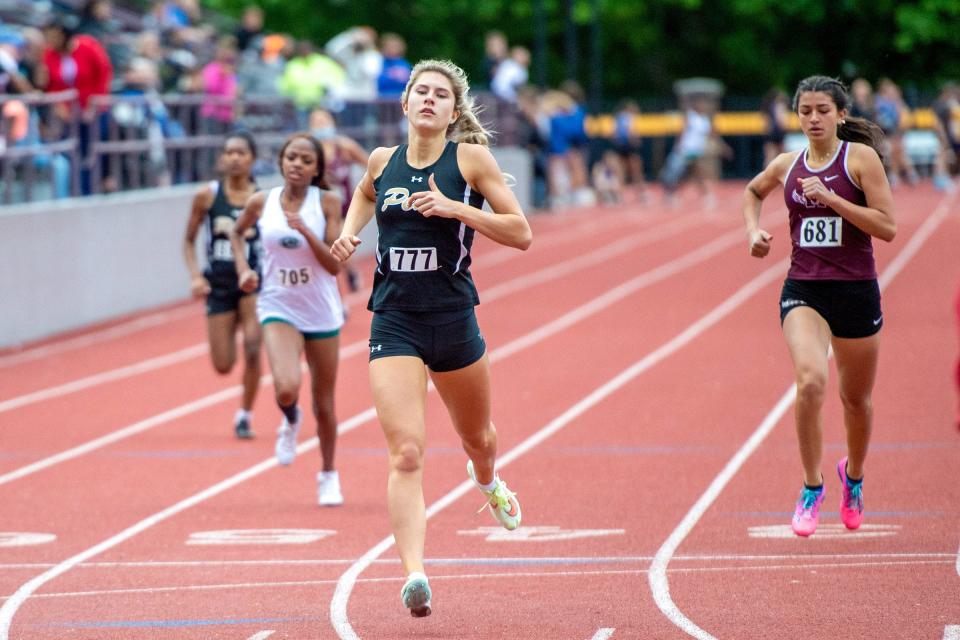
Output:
[[76, 61]]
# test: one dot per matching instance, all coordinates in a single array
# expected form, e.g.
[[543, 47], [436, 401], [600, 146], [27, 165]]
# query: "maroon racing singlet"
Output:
[[825, 245], [338, 173]]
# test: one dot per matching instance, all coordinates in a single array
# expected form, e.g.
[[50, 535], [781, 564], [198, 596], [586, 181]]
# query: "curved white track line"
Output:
[[341, 596], [10, 607], [657, 577]]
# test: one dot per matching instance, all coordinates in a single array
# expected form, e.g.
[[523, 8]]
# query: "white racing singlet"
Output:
[[295, 288]]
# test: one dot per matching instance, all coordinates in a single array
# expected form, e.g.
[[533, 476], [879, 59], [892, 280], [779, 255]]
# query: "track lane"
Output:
[[756, 495], [366, 455], [352, 343]]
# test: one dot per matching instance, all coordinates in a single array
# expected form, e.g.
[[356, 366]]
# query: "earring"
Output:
[[842, 122]]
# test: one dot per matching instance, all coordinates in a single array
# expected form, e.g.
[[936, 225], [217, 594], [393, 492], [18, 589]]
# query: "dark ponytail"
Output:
[[850, 128], [862, 130]]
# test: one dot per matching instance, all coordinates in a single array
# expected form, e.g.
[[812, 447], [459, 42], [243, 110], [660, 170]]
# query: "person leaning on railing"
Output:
[[77, 61]]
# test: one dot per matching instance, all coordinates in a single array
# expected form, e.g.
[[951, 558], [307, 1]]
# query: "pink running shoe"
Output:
[[807, 515], [851, 507]]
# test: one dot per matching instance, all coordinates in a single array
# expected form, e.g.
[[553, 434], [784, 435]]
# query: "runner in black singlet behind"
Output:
[[216, 207], [427, 196]]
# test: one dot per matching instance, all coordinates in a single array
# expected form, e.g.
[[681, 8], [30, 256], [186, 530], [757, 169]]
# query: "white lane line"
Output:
[[553, 272], [13, 603], [604, 633], [854, 558], [562, 573], [562, 322], [95, 337], [585, 260], [11, 606], [496, 256], [659, 583], [338, 605], [952, 631], [106, 376], [262, 635], [563, 235], [126, 432]]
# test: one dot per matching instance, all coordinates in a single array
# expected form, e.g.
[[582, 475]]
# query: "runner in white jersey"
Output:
[[296, 289], [299, 305]]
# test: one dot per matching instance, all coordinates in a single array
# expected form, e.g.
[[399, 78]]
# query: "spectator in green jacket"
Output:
[[311, 79]]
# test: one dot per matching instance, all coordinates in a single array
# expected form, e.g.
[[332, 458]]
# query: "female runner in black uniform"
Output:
[[427, 196], [216, 207]]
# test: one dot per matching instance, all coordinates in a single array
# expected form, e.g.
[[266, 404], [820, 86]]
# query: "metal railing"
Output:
[[39, 146], [124, 142]]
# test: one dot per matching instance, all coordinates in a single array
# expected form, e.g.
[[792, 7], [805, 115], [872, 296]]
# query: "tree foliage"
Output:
[[646, 44]]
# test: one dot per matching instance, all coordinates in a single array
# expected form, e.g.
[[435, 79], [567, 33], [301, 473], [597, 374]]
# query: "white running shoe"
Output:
[[286, 447], [328, 489], [501, 501], [416, 595]]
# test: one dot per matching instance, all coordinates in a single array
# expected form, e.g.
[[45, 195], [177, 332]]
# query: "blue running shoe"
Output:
[[416, 595]]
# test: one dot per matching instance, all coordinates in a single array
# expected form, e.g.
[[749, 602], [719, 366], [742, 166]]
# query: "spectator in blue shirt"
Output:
[[396, 69]]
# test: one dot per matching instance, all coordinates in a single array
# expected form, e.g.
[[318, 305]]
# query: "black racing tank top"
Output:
[[220, 219], [423, 264]]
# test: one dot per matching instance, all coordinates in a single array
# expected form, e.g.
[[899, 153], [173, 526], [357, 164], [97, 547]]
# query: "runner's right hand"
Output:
[[248, 281], [344, 247], [760, 243], [199, 287]]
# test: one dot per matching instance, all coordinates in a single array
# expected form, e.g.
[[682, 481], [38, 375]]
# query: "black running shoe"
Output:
[[353, 280], [242, 428]]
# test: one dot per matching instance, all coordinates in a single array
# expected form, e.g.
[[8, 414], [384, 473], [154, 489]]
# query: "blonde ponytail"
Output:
[[468, 128]]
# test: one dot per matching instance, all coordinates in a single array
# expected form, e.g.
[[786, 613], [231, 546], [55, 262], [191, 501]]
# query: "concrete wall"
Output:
[[69, 263]]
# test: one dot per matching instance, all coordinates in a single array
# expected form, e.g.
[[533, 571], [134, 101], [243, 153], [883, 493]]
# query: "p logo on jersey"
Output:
[[396, 196], [289, 242], [222, 225]]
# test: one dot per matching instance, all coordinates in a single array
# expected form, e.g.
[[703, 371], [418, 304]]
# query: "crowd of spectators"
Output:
[[148, 63], [167, 51], [887, 108]]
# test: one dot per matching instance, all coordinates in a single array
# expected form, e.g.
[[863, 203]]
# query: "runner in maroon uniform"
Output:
[[341, 153], [838, 197]]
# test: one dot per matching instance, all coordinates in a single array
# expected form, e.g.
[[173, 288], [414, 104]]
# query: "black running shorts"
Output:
[[445, 341], [850, 307]]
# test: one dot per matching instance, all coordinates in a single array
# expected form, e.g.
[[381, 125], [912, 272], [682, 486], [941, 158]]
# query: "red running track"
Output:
[[642, 396]]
